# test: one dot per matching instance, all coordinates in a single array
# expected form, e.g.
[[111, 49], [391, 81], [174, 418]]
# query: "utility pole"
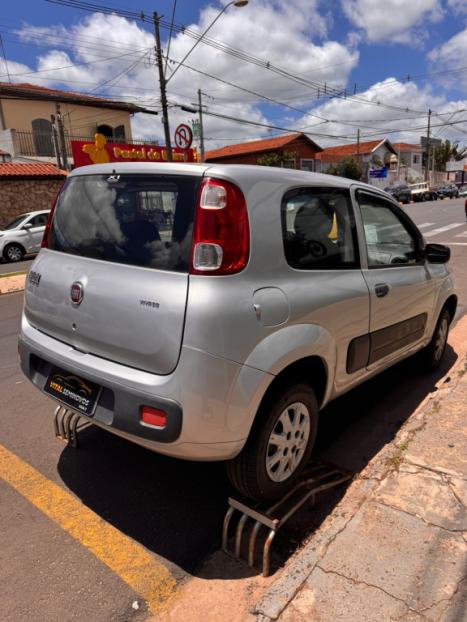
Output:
[[55, 140], [201, 131], [162, 84], [427, 168], [61, 136], [358, 145]]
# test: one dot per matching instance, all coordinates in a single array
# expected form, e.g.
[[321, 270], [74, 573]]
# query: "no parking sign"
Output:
[[183, 136]]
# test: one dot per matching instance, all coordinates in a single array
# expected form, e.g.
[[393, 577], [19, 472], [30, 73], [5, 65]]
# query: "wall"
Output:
[[18, 196], [7, 142], [301, 147], [78, 120]]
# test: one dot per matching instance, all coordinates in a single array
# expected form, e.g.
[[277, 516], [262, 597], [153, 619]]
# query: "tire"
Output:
[[249, 472], [432, 355], [13, 253]]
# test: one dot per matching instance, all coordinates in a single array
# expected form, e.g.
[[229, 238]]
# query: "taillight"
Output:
[[221, 237], [45, 237]]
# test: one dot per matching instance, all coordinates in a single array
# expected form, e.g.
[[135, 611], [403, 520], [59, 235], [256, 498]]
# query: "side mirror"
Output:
[[437, 253], [27, 226]]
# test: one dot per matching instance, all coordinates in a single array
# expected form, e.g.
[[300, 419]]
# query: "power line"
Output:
[[140, 16], [91, 62]]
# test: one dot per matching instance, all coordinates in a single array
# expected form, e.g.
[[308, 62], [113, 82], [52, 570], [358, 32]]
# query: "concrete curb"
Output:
[[12, 282], [284, 589]]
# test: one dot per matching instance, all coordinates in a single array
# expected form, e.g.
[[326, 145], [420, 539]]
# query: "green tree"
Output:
[[277, 159], [347, 167], [448, 151]]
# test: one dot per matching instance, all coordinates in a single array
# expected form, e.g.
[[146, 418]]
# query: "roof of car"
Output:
[[233, 171]]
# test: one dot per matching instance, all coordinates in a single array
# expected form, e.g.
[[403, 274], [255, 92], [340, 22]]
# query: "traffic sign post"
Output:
[[183, 136]]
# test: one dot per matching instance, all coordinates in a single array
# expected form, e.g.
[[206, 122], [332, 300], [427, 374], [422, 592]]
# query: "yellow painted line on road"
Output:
[[140, 570], [5, 275]]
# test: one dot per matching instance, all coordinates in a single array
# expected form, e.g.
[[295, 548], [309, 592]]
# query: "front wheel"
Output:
[[279, 445], [432, 354], [13, 253]]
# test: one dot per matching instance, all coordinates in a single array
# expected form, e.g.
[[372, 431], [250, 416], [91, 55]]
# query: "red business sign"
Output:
[[100, 152]]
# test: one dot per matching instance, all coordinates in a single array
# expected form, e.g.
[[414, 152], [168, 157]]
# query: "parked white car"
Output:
[[23, 235]]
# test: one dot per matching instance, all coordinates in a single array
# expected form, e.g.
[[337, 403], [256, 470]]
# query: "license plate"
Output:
[[79, 394]]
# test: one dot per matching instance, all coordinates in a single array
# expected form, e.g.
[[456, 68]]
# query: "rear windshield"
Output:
[[142, 220]]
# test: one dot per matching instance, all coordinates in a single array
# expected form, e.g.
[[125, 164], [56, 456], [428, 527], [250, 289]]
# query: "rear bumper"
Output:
[[210, 402]]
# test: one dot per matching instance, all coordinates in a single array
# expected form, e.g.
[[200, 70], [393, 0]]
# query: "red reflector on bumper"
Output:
[[153, 416]]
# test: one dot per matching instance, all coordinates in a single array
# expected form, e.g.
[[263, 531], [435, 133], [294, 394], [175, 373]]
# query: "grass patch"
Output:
[[397, 457]]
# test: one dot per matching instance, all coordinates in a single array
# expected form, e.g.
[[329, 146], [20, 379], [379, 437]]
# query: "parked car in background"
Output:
[[422, 192], [221, 331], [400, 192], [23, 235], [463, 191], [447, 191]]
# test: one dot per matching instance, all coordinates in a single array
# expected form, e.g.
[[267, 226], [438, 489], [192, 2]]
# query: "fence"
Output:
[[35, 144]]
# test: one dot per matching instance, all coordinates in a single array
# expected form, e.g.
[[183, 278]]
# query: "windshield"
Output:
[[16, 222], [142, 220]]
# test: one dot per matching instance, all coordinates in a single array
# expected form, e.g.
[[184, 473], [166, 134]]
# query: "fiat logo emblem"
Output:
[[76, 293]]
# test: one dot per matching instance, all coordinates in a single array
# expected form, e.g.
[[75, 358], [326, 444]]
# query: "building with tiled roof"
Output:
[[30, 170], [34, 92], [27, 186], [294, 151], [378, 159], [27, 113], [334, 154]]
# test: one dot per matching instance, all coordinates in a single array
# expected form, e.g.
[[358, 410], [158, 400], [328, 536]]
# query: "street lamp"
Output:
[[237, 3], [163, 80]]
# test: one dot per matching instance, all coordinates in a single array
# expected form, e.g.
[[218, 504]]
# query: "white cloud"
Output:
[[458, 6], [398, 21], [286, 33], [384, 110], [450, 57]]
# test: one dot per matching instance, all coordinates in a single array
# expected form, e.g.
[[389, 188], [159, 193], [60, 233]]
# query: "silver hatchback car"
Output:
[[208, 312]]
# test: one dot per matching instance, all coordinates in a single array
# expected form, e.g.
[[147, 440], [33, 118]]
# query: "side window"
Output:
[[318, 229], [39, 221], [388, 240]]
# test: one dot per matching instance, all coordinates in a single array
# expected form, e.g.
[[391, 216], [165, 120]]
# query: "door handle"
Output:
[[381, 289]]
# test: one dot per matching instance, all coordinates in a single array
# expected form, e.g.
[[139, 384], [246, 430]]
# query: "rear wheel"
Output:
[[279, 445], [432, 355], [13, 253]]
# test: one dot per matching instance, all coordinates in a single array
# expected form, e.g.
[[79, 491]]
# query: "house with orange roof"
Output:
[[26, 187], [26, 119], [377, 157], [295, 150]]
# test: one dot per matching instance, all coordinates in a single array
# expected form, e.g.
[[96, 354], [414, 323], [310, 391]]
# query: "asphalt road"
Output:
[[444, 222], [173, 509], [20, 266]]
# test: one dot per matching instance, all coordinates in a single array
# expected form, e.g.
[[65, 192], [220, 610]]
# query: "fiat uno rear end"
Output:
[[208, 312]]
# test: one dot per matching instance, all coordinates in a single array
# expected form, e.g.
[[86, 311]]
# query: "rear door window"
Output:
[[142, 220]]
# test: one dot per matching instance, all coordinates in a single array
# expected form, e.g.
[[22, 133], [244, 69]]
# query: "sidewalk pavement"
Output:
[[12, 282], [395, 548]]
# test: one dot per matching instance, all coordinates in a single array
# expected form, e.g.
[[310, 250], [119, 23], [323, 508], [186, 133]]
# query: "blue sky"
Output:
[[360, 46]]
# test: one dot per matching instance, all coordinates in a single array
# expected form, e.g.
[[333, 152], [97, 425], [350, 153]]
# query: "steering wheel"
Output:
[[315, 248]]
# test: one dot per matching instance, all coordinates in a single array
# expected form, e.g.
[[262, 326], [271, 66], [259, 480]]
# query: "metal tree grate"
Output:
[[316, 478]]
